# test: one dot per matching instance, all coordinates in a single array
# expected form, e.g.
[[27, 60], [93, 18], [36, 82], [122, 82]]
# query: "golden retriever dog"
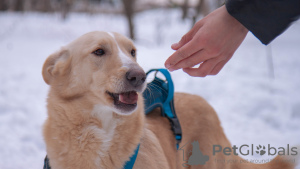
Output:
[[96, 114]]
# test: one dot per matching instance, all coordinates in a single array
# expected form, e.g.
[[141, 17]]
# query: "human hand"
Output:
[[212, 42]]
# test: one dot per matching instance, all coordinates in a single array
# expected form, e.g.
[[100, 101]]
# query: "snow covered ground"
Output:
[[254, 108]]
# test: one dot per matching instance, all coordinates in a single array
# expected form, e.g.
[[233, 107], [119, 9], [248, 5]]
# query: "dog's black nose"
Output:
[[136, 77]]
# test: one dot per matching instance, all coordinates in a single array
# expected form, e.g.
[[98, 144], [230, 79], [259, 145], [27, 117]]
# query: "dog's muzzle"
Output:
[[135, 77], [134, 81]]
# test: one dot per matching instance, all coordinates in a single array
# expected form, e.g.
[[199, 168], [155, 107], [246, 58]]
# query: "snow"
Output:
[[254, 108]]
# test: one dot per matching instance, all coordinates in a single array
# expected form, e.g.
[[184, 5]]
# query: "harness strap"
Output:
[[129, 164], [160, 93], [46, 163]]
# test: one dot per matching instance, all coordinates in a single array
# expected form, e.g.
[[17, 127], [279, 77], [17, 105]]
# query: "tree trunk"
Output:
[[203, 8], [33, 5], [129, 13], [45, 5], [3, 5], [185, 7], [65, 8], [15, 5]]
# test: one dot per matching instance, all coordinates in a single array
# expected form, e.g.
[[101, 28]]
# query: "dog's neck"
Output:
[[118, 135]]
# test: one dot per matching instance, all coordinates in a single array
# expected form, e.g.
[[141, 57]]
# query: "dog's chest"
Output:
[[106, 132]]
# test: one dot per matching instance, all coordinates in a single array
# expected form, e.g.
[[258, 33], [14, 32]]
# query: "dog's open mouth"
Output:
[[126, 101]]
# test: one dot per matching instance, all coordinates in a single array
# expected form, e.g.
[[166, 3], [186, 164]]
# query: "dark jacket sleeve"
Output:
[[266, 19]]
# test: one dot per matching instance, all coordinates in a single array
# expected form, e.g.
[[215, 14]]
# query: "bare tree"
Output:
[[184, 9], [66, 6], [3, 5], [15, 5], [45, 5], [33, 5], [129, 13], [19, 5], [201, 8]]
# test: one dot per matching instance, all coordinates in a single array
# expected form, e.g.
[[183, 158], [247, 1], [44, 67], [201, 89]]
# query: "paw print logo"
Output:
[[260, 150]]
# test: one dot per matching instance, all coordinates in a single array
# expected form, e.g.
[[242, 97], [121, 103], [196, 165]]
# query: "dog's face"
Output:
[[100, 67]]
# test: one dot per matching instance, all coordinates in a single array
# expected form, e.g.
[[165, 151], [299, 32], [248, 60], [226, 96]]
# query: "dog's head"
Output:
[[100, 67]]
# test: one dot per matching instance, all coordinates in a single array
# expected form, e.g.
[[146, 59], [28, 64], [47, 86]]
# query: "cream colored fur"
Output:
[[84, 130]]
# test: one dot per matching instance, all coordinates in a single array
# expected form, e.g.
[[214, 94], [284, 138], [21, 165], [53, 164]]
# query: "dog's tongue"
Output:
[[128, 98]]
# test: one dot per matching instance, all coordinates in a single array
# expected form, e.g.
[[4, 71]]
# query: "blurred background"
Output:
[[256, 95], [190, 9]]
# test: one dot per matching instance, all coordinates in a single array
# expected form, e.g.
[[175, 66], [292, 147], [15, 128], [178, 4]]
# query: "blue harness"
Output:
[[160, 94]]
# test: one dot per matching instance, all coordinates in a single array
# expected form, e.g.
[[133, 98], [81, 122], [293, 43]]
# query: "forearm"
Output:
[[266, 19]]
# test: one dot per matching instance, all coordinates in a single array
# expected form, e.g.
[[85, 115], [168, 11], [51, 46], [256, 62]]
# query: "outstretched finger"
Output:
[[184, 52], [196, 58]]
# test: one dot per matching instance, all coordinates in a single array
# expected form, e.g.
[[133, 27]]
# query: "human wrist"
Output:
[[238, 25]]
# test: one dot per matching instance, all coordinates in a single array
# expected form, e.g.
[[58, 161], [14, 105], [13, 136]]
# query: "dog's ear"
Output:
[[55, 65]]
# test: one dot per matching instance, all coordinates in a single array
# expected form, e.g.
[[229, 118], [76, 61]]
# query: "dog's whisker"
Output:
[[158, 87], [150, 93]]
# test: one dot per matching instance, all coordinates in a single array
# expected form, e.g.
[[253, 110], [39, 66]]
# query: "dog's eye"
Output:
[[132, 52], [99, 52]]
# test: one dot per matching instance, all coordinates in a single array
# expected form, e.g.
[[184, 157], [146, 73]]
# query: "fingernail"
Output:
[[168, 65], [171, 69], [174, 45]]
